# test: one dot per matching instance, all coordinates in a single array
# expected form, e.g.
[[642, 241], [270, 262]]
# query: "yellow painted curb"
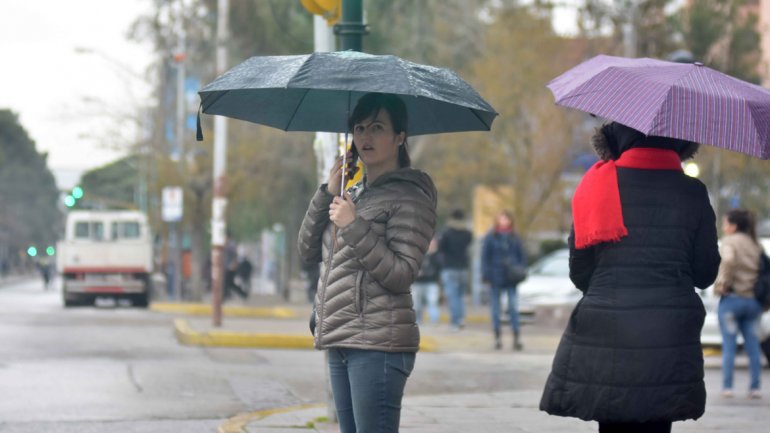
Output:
[[189, 337], [227, 310], [711, 351], [237, 424]]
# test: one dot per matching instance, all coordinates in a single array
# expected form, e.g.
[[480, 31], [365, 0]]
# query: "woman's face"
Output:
[[375, 140], [728, 228], [503, 221]]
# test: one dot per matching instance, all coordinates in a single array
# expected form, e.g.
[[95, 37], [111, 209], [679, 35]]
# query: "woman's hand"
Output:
[[342, 211], [335, 175]]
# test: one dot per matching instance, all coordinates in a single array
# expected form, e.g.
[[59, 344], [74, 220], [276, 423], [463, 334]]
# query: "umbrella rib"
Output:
[[217, 96], [296, 108], [480, 119]]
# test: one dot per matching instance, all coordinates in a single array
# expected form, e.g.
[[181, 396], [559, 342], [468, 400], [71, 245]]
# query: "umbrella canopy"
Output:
[[315, 92], [686, 101]]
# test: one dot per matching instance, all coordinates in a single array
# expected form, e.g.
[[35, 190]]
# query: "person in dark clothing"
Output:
[[230, 261], [244, 271], [643, 236], [453, 252], [502, 248], [425, 290], [312, 273]]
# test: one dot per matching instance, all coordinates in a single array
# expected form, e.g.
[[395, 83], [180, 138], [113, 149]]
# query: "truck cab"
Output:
[[105, 253]]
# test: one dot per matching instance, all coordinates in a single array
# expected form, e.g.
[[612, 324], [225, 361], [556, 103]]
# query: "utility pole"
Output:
[[352, 28], [174, 235], [219, 202]]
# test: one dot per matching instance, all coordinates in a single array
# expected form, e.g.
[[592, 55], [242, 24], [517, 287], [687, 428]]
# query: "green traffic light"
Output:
[[32, 251], [50, 251], [77, 192], [69, 201]]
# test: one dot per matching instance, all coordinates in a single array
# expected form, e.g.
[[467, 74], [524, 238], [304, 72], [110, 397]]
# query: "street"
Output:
[[120, 369]]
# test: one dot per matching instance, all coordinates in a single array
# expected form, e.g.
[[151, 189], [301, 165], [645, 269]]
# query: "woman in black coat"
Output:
[[644, 235]]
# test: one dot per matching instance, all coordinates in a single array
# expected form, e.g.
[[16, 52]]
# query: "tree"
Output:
[[529, 145], [29, 214]]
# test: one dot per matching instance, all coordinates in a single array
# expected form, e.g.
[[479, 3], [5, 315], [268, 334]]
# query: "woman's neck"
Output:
[[375, 171]]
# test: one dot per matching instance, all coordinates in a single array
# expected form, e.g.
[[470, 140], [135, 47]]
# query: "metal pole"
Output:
[[351, 29], [219, 202], [180, 120]]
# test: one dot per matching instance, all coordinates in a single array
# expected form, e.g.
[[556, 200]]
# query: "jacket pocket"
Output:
[[359, 296]]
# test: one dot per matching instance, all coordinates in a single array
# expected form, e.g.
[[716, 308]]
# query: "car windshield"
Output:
[[556, 264]]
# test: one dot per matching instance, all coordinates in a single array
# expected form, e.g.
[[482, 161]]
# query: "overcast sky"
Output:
[[70, 102]]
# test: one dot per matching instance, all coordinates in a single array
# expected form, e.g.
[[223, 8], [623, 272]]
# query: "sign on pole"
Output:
[[172, 203]]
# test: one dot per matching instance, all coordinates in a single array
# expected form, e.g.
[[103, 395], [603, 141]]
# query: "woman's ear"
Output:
[[401, 138]]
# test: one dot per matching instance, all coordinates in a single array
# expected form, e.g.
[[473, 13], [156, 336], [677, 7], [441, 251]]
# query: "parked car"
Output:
[[548, 283]]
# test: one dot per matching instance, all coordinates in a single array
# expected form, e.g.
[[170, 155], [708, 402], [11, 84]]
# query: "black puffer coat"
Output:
[[631, 351]]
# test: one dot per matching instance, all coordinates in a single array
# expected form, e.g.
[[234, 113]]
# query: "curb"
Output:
[[216, 338], [189, 337], [237, 424], [228, 310]]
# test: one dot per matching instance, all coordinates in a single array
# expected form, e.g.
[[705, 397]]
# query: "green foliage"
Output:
[[112, 186], [28, 194]]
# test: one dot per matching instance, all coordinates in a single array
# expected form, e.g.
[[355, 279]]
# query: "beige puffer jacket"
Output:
[[740, 265], [363, 299]]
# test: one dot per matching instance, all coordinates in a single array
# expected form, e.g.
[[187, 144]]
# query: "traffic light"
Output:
[[32, 251], [72, 198], [329, 9], [50, 250]]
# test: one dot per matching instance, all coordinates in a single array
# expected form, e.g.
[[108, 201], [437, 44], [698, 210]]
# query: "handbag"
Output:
[[762, 286], [514, 273]]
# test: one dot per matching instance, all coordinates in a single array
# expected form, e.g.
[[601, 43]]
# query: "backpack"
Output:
[[762, 286]]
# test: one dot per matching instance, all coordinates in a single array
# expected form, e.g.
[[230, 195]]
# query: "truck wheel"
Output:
[[73, 301], [142, 300]]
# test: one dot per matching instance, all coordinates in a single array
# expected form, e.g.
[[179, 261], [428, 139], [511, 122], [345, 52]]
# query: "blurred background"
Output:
[[99, 100]]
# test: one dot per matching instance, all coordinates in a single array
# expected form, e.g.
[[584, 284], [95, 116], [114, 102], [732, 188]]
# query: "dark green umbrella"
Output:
[[316, 92]]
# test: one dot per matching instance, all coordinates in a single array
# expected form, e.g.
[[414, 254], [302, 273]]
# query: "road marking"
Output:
[[237, 424]]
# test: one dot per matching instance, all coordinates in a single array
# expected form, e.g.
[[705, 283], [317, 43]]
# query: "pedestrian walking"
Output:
[[312, 273], [453, 250], [643, 235], [738, 310], [425, 290], [503, 267], [244, 271], [44, 266], [230, 262], [371, 243]]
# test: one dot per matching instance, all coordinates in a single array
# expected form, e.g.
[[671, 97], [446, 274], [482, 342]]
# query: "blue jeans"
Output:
[[513, 306], [455, 282], [737, 313], [422, 293], [368, 386]]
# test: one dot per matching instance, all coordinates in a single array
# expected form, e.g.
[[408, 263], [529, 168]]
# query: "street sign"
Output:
[[172, 204]]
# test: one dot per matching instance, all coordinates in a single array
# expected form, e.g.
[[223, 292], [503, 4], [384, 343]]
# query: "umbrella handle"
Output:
[[344, 166]]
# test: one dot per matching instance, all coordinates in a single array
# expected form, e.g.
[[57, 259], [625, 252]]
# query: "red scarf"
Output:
[[596, 209]]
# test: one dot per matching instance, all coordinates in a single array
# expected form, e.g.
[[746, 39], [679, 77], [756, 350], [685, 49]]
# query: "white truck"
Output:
[[105, 253]]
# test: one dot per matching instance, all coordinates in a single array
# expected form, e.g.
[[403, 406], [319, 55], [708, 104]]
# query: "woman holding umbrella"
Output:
[[644, 234], [371, 242]]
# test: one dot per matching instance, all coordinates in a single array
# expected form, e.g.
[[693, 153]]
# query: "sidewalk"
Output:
[[509, 412]]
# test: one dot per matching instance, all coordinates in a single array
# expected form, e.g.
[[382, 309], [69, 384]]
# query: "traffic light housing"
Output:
[[329, 9]]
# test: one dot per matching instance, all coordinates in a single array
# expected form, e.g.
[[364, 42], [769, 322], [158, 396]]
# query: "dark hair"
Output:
[[370, 105], [457, 214], [744, 222], [612, 138]]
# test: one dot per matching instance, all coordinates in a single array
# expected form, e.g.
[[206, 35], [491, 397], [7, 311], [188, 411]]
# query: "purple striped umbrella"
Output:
[[685, 101]]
